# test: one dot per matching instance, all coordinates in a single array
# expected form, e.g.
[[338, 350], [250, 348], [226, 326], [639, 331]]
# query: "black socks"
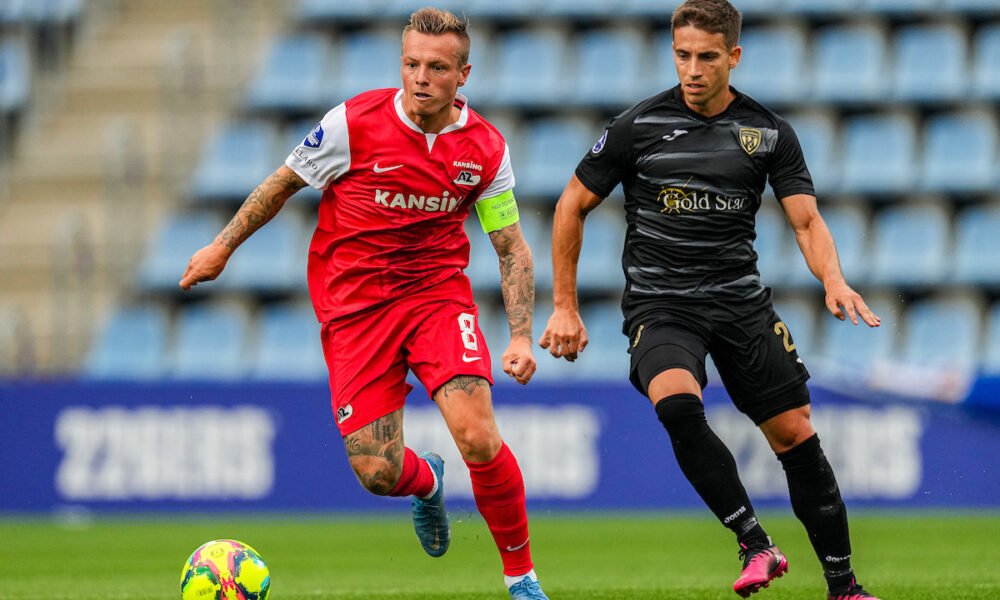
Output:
[[709, 466], [817, 503]]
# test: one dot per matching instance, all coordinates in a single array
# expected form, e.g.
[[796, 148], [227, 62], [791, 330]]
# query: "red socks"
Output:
[[417, 479], [499, 490]]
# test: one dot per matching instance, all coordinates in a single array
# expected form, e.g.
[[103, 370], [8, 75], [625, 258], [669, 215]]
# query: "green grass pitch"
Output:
[[680, 556]]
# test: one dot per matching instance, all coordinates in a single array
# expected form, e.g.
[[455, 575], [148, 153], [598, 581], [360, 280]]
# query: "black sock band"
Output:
[[708, 465], [816, 501]]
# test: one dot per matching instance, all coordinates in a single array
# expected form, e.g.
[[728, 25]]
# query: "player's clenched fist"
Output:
[[518, 360], [564, 336], [205, 265]]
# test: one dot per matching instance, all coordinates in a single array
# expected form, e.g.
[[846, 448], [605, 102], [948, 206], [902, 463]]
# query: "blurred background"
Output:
[[131, 131]]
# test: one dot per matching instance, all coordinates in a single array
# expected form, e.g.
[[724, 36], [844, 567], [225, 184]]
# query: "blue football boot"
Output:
[[430, 519], [526, 589]]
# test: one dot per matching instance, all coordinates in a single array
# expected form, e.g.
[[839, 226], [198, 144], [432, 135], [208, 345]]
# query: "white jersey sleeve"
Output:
[[504, 180], [325, 154]]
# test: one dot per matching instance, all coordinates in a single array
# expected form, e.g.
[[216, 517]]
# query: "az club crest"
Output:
[[750, 139]]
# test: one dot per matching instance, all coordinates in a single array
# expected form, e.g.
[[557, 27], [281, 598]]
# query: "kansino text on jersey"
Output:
[[443, 203]]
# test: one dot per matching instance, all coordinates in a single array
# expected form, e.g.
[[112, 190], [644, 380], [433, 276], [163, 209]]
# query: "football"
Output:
[[225, 570]]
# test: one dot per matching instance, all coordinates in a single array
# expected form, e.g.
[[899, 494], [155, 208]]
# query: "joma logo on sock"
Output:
[[733, 516]]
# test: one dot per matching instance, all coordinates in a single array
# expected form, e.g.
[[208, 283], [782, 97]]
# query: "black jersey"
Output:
[[692, 188]]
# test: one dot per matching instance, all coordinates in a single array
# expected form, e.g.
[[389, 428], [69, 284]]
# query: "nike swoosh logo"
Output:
[[518, 547], [470, 358], [379, 169]]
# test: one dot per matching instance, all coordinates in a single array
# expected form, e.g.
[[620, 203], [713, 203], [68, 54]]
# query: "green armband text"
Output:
[[497, 212]]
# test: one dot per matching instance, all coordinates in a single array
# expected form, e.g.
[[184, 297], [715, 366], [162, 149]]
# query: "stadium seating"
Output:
[[974, 7], [850, 351], [212, 341], [848, 224], [600, 267], [912, 245], [288, 345], [977, 246], [610, 67], [901, 6], [180, 235], [931, 63], [819, 7], [272, 260], [551, 152], [849, 64], [772, 67], [990, 364], [770, 245], [942, 333], [961, 153], [817, 134], [986, 74], [879, 154], [606, 357], [15, 78], [367, 60], [235, 159], [530, 68], [294, 78], [131, 345]]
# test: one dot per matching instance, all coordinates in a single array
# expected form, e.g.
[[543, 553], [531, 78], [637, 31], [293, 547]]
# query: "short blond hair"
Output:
[[436, 21]]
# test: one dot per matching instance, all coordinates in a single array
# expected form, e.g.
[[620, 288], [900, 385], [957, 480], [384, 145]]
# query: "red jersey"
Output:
[[395, 199]]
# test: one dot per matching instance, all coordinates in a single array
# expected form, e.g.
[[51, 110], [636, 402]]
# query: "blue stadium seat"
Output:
[[234, 160], [530, 68], [663, 73], [901, 6], [606, 356], [849, 351], [976, 7], [799, 314], [367, 60], [536, 226], [820, 7], [311, 12], [991, 347], [987, 62], [294, 78], [272, 260], [912, 245], [942, 332], [484, 267], [501, 9], [583, 8], [288, 344], [611, 66], [15, 77], [961, 153], [552, 149], [772, 68], [977, 246], [817, 133], [478, 87], [848, 225], [600, 266], [931, 63], [772, 236], [180, 235], [879, 154], [212, 342], [850, 63], [131, 345]]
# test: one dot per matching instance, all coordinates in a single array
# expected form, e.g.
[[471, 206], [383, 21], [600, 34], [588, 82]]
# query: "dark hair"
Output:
[[713, 16], [435, 21]]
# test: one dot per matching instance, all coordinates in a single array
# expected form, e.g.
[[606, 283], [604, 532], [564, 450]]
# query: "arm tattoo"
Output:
[[517, 278], [260, 207], [376, 452], [465, 384]]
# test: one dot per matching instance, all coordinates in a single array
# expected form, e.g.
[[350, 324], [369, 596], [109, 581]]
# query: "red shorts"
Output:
[[434, 332]]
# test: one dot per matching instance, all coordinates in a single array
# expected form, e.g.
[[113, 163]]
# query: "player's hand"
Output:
[[564, 336], [845, 303], [205, 265], [518, 361]]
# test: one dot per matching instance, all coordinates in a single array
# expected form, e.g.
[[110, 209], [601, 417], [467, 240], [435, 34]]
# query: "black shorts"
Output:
[[751, 346]]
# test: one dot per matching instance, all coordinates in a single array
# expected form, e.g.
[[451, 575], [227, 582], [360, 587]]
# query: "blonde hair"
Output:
[[435, 21]]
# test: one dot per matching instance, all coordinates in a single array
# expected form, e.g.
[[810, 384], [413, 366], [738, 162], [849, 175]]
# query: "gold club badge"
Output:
[[750, 139]]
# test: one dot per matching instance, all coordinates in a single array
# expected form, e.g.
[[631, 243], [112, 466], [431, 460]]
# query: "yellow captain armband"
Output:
[[497, 212]]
